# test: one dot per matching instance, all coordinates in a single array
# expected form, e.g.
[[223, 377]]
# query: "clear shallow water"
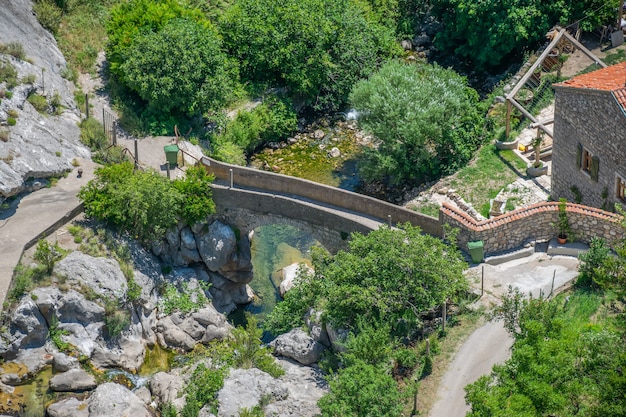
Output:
[[273, 248]]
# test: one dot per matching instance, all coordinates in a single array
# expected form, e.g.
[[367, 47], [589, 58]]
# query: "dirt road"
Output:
[[489, 345]]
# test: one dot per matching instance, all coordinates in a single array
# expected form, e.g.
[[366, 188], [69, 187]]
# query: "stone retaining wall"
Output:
[[532, 224]]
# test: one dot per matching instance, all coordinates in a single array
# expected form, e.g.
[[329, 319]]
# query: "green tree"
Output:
[[181, 67], [316, 48], [144, 203], [129, 19], [489, 32], [388, 276], [425, 119], [48, 254], [361, 390]]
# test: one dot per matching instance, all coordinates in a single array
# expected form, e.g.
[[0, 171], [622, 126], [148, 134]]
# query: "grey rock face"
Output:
[[63, 362], [216, 245], [102, 275], [69, 407], [28, 327], [73, 380], [244, 388], [114, 400], [166, 387], [31, 151], [298, 346], [317, 329], [204, 325]]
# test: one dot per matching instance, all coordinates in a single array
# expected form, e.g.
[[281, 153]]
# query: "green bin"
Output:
[[171, 154], [476, 250]]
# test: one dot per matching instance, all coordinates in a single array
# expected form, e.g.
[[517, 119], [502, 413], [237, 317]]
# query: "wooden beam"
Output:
[[534, 66], [585, 50]]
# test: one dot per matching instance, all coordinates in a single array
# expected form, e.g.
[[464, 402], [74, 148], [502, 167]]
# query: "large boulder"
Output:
[[114, 400], [290, 273], [171, 336], [69, 407], [102, 275], [216, 245], [298, 346], [306, 386], [167, 388], [184, 331], [72, 380], [317, 329], [244, 388], [28, 328]]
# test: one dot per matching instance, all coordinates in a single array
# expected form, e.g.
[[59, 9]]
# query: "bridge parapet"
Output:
[[320, 193]]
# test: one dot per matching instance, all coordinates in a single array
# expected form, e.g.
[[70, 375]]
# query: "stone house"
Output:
[[589, 143]]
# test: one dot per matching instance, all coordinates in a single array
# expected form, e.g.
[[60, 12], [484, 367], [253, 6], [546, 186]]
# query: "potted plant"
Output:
[[538, 168], [562, 223]]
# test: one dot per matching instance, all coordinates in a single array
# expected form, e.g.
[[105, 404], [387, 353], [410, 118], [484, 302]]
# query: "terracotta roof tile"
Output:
[[607, 79]]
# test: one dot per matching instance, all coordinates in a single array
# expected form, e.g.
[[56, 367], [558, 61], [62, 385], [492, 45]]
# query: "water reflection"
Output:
[[273, 248]]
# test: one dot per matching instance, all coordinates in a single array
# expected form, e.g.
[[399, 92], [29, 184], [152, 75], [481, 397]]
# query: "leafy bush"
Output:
[[488, 33], [48, 14], [116, 318], [181, 67], [56, 335], [92, 134], [249, 352], [22, 282], [15, 49], [202, 390], [48, 254], [425, 119], [185, 300], [195, 187], [591, 267], [361, 390], [316, 48], [274, 120], [39, 102], [8, 75]]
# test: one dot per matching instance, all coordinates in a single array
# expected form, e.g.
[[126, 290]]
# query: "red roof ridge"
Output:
[[611, 78]]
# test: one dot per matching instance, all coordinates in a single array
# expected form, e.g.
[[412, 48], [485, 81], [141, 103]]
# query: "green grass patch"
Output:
[[483, 179], [39, 102]]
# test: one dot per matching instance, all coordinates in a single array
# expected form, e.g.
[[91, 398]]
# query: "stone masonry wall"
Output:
[[531, 224], [594, 119]]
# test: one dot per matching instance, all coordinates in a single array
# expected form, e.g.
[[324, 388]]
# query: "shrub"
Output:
[[22, 282], [48, 14], [11, 121], [29, 79], [14, 49], [185, 301], [249, 352], [92, 134], [8, 74], [4, 135], [39, 102], [13, 113], [48, 254], [116, 319], [202, 390]]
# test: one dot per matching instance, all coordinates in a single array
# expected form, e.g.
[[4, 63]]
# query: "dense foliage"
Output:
[[144, 203], [316, 48], [489, 32], [389, 276], [425, 118], [181, 67], [562, 363]]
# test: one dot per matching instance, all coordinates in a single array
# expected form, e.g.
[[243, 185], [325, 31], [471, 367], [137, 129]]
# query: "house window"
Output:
[[588, 162], [620, 191]]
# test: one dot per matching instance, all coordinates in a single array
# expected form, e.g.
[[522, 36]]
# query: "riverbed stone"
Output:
[[115, 400], [102, 275], [69, 407], [28, 327], [166, 387], [63, 362], [72, 380], [216, 245], [298, 346], [171, 336], [244, 388]]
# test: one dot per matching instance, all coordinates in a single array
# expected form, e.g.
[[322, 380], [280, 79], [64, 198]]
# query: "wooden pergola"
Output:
[[511, 102]]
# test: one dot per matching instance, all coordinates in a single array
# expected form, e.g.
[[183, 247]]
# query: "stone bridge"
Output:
[[248, 198], [330, 214]]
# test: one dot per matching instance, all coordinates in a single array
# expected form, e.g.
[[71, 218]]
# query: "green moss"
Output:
[[308, 158]]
